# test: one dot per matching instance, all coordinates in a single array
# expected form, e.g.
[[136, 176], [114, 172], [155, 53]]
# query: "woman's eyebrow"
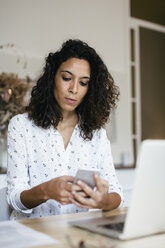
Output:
[[86, 77], [67, 72], [72, 74]]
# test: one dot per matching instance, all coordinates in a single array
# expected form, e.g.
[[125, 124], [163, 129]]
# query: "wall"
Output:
[[40, 26], [126, 178], [3, 181]]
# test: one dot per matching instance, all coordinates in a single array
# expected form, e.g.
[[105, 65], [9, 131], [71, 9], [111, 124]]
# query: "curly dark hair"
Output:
[[101, 97]]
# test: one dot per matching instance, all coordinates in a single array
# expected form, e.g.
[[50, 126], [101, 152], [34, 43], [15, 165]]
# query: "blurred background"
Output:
[[130, 37]]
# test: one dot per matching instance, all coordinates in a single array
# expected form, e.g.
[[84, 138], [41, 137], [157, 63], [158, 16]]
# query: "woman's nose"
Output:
[[74, 87]]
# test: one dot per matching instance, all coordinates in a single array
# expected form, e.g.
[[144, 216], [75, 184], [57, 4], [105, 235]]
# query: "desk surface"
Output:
[[58, 228]]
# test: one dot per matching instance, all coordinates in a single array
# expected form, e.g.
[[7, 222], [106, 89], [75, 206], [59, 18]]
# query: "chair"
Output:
[[5, 209]]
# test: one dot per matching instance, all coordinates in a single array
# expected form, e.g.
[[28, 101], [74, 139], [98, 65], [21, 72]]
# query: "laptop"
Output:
[[146, 213]]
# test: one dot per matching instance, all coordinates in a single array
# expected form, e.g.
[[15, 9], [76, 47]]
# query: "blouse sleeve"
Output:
[[107, 166], [17, 171]]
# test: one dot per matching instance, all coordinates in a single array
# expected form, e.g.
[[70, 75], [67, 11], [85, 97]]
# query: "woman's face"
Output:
[[71, 83]]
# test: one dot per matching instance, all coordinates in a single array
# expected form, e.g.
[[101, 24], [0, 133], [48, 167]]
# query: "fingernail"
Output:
[[73, 192], [79, 182]]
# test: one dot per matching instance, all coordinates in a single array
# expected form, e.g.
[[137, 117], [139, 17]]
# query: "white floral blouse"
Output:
[[36, 155]]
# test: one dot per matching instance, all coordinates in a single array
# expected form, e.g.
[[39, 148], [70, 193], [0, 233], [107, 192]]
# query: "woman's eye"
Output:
[[83, 83], [66, 78]]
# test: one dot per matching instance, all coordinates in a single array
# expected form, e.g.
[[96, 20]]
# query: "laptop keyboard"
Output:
[[116, 227]]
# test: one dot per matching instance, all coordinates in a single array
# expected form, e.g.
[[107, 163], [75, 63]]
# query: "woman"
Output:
[[60, 132]]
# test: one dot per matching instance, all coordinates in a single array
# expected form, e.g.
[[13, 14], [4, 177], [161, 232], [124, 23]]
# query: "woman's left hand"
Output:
[[96, 199]]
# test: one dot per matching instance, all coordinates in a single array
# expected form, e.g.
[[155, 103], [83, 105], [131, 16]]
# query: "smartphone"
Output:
[[87, 176]]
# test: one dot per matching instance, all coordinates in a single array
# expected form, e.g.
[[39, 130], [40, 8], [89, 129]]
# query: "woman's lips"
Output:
[[70, 100]]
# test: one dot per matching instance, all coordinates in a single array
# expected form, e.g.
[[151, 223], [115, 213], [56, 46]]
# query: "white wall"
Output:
[[40, 26], [126, 178], [3, 181]]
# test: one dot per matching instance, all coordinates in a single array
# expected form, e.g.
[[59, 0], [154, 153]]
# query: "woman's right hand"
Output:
[[60, 189]]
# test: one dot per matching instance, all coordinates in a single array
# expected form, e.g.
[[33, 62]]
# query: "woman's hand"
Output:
[[96, 199], [60, 189]]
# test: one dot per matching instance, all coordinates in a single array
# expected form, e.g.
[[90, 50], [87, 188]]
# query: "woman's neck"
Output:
[[69, 119], [66, 127]]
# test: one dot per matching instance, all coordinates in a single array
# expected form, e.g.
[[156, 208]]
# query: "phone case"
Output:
[[86, 176]]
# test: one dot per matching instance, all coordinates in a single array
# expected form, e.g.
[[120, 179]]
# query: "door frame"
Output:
[[135, 24]]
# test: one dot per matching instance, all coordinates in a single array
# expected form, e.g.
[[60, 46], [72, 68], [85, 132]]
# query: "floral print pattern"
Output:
[[36, 155]]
